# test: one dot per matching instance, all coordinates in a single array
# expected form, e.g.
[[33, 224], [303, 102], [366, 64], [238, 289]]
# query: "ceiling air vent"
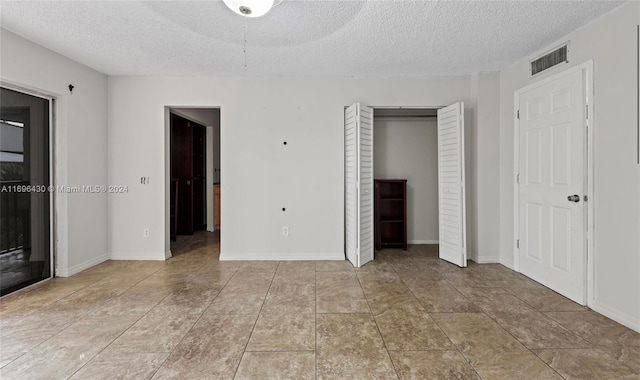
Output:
[[549, 60]]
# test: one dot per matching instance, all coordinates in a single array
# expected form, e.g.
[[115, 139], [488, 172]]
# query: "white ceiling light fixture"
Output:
[[250, 8]]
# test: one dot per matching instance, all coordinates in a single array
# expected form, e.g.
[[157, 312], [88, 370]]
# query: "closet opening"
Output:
[[405, 162], [404, 181]]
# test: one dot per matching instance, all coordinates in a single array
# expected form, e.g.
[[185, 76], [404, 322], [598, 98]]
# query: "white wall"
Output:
[[611, 42], [204, 116], [407, 148], [487, 163], [261, 175], [80, 135]]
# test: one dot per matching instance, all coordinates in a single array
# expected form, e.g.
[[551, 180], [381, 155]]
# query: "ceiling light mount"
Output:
[[250, 8]]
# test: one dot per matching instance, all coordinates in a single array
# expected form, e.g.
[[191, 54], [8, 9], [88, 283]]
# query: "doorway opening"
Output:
[[26, 253], [193, 180]]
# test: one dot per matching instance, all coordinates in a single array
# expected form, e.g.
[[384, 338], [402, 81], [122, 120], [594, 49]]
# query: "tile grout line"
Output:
[[155, 363], [445, 333], [384, 344], [36, 287], [191, 328], [508, 332], [26, 292], [456, 346], [374, 318], [308, 351], [109, 344], [70, 324], [125, 330], [543, 313], [550, 319], [244, 350]]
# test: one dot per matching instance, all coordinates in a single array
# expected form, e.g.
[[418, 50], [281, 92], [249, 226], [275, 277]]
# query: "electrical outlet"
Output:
[[285, 230], [145, 232]]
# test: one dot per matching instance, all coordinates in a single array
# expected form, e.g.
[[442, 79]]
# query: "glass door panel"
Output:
[[25, 252]]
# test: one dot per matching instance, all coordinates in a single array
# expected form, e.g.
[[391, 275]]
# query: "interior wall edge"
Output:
[[68, 272]]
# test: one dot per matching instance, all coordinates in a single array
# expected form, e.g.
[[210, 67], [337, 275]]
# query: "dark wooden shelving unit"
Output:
[[391, 213]]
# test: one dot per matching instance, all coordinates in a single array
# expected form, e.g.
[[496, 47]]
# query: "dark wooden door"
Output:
[[182, 172], [199, 183]]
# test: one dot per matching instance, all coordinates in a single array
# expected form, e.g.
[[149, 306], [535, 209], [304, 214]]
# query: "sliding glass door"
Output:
[[25, 220]]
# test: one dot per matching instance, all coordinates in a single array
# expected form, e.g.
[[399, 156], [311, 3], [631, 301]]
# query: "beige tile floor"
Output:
[[406, 315]]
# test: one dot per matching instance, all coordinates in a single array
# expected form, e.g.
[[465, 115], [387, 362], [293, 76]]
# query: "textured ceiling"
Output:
[[298, 38]]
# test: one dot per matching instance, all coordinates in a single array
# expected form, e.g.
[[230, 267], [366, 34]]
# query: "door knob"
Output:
[[573, 198]]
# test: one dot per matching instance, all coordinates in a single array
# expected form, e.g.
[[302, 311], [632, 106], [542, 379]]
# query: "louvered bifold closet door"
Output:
[[451, 187], [351, 178], [365, 116]]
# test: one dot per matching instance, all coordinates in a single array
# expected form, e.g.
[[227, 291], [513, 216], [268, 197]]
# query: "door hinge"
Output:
[[587, 108], [518, 178], [518, 243], [518, 114]]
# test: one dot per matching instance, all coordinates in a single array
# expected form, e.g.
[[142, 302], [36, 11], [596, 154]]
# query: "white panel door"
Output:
[[351, 183], [365, 133], [451, 186], [358, 129], [552, 150]]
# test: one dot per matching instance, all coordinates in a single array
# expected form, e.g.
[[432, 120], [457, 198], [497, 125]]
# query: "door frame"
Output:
[[587, 77], [431, 108], [53, 200], [167, 168]]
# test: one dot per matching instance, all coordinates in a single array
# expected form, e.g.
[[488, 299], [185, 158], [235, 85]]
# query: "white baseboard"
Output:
[[484, 259], [508, 264], [423, 242], [167, 255], [68, 272], [281, 256], [137, 256], [617, 316]]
